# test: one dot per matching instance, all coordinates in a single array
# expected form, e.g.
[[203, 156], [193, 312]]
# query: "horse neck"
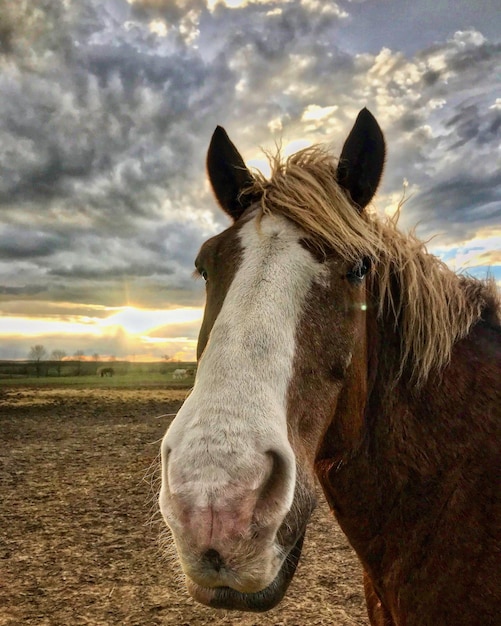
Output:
[[403, 442], [424, 429]]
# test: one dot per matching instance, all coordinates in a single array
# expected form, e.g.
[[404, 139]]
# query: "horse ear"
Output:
[[362, 160], [228, 174]]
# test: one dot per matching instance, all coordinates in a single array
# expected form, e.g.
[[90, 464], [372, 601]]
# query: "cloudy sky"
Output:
[[107, 108]]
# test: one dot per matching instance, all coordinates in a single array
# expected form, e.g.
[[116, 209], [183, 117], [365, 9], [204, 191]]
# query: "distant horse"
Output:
[[179, 374], [334, 345], [105, 371]]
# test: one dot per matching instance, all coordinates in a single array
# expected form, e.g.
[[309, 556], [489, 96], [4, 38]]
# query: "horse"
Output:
[[334, 346], [106, 371], [179, 374]]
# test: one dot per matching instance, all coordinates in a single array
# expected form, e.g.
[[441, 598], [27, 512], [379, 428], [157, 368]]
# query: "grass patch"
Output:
[[128, 380]]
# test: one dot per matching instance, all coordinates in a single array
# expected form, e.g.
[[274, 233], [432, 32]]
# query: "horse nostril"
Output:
[[214, 559]]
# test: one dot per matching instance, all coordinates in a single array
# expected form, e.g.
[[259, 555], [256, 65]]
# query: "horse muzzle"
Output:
[[226, 597]]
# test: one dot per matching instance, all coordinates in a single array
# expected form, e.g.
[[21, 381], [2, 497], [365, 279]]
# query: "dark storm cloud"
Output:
[[407, 24], [465, 200], [107, 272], [18, 243], [114, 111], [172, 11], [275, 29], [285, 60], [459, 180], [469, 123], [255, 44], [26, 290]]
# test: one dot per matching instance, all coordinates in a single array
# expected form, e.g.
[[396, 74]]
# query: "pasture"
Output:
[[79, 527], [88, 373]]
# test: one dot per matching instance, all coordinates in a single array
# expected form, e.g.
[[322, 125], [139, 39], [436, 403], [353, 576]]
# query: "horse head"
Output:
[[282, 350]]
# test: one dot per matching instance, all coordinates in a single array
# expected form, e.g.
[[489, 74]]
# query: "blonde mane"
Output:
[[431, 307]]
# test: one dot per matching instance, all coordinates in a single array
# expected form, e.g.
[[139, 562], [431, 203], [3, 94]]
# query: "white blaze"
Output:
[[237, 409]]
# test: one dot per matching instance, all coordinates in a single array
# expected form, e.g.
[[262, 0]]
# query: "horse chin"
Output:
[[260, 601]]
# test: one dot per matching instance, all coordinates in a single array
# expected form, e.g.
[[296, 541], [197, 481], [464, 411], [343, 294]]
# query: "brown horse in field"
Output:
[[335, 346], [105, 371]]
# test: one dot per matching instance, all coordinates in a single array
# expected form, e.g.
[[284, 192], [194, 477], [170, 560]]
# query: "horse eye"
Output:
[[204, 275], [358, 273]]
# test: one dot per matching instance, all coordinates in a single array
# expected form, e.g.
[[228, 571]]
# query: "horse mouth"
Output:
[[260, 601]]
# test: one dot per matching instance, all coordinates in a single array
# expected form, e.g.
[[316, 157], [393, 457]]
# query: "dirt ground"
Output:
[[79, 527]]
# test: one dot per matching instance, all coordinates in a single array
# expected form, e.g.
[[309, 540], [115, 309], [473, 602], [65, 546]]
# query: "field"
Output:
[[79, 528]]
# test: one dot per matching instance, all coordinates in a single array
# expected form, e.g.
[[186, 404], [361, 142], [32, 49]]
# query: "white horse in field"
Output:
[[180, 374]]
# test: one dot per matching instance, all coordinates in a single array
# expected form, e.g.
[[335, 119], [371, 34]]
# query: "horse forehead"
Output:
[[269, 242], [269, 228], [252, 231]]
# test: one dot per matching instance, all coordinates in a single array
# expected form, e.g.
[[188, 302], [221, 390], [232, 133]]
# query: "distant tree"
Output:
[[95, 356], [79, 355], [112, 358], [166, 359], [37, 354], [58, 355]]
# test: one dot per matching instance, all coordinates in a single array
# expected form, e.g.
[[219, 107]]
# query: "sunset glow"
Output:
[[135, 321], [149, 334]]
